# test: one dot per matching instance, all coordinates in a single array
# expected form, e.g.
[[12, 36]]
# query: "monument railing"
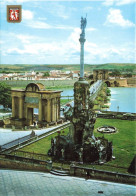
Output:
[[28, 157], [91, 173]]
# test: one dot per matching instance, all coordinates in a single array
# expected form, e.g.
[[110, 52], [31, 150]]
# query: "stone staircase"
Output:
[[59, 172]]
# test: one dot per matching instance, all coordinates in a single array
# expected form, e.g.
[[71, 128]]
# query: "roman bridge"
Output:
[[110, 81], [95, 88]]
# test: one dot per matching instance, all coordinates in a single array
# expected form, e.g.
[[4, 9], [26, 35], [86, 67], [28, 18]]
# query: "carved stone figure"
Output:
[[83, 24]]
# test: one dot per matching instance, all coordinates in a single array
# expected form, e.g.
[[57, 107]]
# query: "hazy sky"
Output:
[[49, 32]]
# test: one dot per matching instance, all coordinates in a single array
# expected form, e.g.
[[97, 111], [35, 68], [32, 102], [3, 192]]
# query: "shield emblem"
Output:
[[14, 13]]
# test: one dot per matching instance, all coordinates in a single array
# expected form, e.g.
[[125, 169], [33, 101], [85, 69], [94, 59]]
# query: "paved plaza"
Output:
[[7, 135], [25, 183]]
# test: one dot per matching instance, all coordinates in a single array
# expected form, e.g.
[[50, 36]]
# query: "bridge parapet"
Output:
[[95, 88]]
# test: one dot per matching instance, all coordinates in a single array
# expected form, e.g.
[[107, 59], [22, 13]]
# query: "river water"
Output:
[[122, 99]]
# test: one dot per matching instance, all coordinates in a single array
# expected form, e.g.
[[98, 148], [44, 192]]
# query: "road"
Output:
[[94, 87]]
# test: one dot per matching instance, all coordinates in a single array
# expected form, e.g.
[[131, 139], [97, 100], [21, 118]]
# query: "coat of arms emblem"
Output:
[[14, 13]]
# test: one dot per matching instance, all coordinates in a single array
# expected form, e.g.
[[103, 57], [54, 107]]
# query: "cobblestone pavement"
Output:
[[25, 183]]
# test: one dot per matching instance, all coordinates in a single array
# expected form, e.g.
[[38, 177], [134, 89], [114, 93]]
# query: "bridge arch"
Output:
[[108, 83], [116, 84]]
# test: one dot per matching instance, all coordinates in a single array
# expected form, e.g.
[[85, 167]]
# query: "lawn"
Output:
[[123, 143], [64, 101], [42, 146]]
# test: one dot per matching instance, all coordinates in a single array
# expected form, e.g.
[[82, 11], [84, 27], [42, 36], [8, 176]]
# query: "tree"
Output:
[[5, 95], [115, 73], [46, 74], [128, 75]]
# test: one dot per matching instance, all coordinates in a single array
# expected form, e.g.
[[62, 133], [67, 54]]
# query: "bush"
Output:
[[5, 95], [95, 102], [108, 92]]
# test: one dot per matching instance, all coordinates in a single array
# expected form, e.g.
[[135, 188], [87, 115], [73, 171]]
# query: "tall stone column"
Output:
[[82, 41], [13, 106], [48, 110], [20, 107], [40, 110]]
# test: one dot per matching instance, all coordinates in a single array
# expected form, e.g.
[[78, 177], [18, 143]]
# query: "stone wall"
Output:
[[87, 173], [90, 173], [131, 82], [122, 82], [12, 164]]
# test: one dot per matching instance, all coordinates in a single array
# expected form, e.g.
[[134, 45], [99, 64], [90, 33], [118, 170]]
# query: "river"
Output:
[[122, 99]]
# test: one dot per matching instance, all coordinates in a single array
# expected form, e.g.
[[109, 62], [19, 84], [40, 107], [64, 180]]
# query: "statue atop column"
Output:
[[83, 24]]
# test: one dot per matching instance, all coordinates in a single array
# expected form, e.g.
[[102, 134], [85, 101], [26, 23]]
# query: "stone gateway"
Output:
[[35, 96]]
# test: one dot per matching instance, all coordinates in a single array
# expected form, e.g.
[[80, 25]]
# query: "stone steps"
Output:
[[59, 172]]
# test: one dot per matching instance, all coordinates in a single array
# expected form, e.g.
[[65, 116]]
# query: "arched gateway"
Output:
[[35, 96]]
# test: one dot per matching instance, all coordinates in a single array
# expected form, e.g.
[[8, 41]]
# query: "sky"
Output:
[[49, 32]]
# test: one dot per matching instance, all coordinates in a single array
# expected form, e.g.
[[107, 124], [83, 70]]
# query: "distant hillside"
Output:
[[74, 67]]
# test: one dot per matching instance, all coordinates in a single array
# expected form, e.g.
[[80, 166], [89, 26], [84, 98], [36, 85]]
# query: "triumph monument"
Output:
[[80, 144]]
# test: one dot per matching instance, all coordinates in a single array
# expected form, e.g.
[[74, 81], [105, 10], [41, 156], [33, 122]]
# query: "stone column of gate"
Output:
[[48, 110], [40, 109], [20, 107], [57, 112], [53, 109], [58, 107], [13, 106]]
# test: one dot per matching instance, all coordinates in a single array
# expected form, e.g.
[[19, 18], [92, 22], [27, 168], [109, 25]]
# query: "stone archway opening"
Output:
[[32, 115], [108, 84]]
